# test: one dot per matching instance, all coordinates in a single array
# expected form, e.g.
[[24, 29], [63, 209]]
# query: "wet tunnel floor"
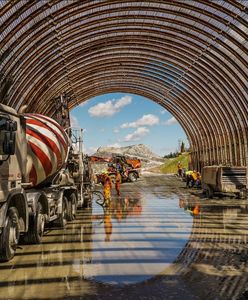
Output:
[[157, 241]]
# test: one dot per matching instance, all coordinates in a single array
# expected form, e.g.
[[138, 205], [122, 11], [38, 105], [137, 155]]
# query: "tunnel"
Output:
[[188, 56]]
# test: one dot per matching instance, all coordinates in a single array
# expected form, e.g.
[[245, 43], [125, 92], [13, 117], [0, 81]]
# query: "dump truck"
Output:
[[225, 180], [40, 178]]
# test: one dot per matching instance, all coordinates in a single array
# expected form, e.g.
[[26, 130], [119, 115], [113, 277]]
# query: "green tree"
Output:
[[182, 148]]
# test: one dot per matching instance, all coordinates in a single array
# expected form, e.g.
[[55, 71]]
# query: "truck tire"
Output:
[[72, 207], [209, 192], [86, 200], [10, 236], [36, 227], [132, 176], [62, 220]]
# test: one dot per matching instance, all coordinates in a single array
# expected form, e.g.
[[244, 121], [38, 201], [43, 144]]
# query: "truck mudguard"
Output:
[[16, 198]]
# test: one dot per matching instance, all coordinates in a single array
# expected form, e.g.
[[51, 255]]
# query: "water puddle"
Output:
[[136, 238]]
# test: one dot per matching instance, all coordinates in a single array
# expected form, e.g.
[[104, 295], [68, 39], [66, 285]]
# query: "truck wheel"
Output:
[[62, 220], [10, 235], [72, 207], [86, 200], [132, 176], [36, 227], [209, 192]]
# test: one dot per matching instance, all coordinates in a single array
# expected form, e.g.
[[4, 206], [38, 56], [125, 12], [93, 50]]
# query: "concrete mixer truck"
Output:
[[40, 178]]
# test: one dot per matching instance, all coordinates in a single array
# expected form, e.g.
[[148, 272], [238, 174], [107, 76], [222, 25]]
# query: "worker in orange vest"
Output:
[[179, 169], [118, 183]]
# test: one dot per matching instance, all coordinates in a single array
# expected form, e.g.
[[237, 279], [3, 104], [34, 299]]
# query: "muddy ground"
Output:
[[158, 240]]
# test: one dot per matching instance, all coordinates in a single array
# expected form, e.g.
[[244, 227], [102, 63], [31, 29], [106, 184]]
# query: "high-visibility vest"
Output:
[[188, 173], [194, 175]]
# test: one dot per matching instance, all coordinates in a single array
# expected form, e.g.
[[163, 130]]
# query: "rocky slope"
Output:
[[140, 151]]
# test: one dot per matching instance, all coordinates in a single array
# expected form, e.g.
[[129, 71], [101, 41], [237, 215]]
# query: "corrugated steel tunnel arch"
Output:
[[188, 56]]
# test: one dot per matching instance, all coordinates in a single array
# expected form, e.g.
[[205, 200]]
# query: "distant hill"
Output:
[[140, 151]]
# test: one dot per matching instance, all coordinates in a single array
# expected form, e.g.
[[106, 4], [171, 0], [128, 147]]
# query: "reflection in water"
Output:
[[192, 208], [216, 253], [54, 268], [136, 238], [107, 224], [118, 209]]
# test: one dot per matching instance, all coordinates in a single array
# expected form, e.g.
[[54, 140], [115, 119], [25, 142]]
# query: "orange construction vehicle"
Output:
[[129, 168]]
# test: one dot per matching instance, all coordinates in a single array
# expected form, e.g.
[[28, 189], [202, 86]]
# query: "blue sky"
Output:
[[121, 119]]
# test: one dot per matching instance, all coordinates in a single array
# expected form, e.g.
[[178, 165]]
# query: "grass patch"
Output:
[[170, 166]]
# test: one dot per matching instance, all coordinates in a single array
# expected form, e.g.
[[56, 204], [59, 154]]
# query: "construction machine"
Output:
[[129, 168], [225, 180], [41, 177]]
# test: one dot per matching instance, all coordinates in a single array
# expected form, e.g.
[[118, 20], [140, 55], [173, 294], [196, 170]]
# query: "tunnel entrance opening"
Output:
[[130, 125]]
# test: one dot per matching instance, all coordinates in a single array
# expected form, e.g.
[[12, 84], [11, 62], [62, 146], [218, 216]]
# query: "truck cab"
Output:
[[13, 202]]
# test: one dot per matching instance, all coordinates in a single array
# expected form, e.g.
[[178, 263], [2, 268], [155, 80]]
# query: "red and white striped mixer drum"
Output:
[[48, 145]]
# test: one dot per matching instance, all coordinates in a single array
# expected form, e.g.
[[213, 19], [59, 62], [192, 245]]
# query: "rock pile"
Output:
[[140, 151]]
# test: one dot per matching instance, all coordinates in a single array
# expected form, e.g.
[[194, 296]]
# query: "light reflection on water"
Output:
[[138, 236]]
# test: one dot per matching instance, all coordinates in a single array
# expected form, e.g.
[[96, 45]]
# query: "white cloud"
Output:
[[163, 111], [171, 121], [74, 121], [109, 108], [123, 101], [137, 134], [102, 130], [146, 120], [116, 130]]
